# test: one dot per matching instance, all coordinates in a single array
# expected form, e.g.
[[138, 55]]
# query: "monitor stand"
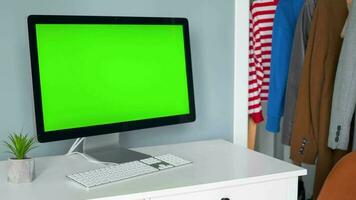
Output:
[[106, 148]]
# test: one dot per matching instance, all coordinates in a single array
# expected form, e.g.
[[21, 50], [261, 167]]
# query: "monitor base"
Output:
[[106, 148], [115, 154]]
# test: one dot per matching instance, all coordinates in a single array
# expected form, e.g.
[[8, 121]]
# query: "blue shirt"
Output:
[[285, 21]]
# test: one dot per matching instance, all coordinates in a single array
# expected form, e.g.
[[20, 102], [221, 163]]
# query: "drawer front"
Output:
[[285, 189]]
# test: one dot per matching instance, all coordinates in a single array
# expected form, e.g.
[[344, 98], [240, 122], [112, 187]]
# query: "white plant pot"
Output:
[[21, 171]]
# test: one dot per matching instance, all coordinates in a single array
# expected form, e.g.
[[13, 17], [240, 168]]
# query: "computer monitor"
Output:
[[98, 75]]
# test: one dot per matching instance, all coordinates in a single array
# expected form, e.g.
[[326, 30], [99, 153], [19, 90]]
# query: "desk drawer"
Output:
[[285, 189]]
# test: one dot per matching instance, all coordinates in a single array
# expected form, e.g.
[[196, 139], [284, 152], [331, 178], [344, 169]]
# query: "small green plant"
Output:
[[19, 145]]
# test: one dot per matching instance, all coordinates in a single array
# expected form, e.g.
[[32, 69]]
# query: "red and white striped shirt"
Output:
[[261, 25]]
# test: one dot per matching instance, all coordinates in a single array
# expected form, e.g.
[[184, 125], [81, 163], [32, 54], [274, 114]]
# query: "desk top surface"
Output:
[[214, 162]]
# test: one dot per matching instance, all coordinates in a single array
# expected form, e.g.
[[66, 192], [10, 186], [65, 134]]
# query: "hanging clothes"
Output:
[[344, 98], [349, 2], [261, 23], [312, 114], [285, 20], [295, 67]]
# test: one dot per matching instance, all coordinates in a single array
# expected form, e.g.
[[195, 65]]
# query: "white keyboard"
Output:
[[114, 173]]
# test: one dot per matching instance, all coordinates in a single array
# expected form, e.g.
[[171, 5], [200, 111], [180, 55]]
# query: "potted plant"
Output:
[[21, 168]]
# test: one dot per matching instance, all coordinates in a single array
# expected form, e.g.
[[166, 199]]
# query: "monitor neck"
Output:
[[106, 148], [95, 143]]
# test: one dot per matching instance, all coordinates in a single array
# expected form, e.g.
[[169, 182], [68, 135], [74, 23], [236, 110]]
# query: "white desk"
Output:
[[220, 170]]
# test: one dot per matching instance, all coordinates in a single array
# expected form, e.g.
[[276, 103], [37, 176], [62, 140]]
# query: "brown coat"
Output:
[[311, 127]]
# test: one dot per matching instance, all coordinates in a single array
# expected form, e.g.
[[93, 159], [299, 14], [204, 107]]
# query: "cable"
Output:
[[75, 145], [72, 151]]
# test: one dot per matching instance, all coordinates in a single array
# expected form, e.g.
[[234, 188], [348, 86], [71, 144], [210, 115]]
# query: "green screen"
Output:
[[93, 74]]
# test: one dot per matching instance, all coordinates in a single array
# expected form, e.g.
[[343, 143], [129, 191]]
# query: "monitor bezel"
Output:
[[48, 136]]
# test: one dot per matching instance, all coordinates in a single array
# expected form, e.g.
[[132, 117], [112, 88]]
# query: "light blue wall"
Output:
[[212, 41]]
